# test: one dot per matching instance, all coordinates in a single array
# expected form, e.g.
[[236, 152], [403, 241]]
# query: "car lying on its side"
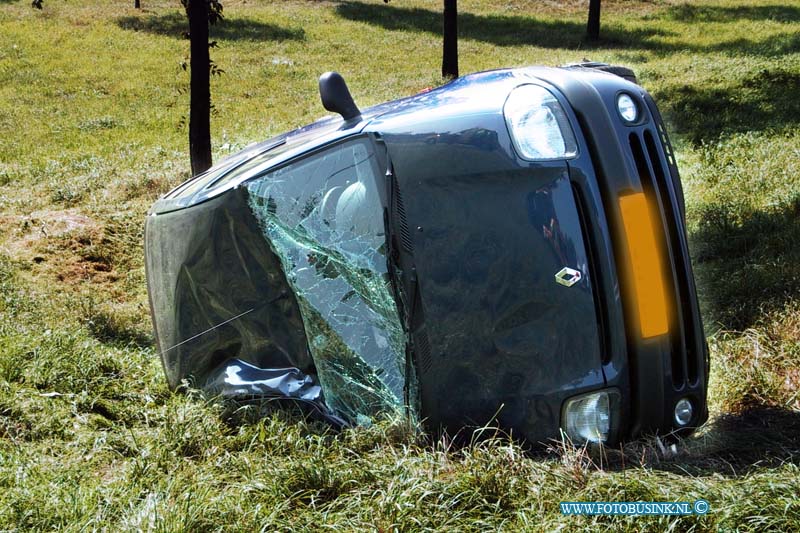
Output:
[[507, 248]]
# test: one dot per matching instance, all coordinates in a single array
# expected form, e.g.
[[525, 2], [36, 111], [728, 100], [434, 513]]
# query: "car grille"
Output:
[[655, 164]]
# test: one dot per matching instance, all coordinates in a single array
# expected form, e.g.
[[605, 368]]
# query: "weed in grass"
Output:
[[101, 123]]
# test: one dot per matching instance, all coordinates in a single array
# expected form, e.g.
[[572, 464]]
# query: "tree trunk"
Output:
[[593, 26], [200, 104], [450, 44]]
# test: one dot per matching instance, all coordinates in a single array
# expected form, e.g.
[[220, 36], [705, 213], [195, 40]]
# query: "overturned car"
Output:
[[507, 248]]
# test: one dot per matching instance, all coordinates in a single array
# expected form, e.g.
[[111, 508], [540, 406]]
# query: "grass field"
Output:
[[92, 129]]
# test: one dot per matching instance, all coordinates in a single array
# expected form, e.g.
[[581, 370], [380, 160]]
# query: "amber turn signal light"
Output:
[[648, 276]]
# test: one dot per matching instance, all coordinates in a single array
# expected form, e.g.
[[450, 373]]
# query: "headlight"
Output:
[[538, 125], [588, 418], [627, 108]]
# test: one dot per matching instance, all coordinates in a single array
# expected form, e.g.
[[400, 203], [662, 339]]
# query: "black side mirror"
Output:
[[336, 96]]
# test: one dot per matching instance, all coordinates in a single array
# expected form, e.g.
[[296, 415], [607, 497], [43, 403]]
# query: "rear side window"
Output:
[[323, 217], [333, 196]]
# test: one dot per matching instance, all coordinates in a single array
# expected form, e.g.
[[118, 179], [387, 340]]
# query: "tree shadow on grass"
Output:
[[775, 46], [111, 328], [176, 25], [732, 445], [504, 30], [500, 30], [746, 263], [767, 100], [736, 444], [696, 13]]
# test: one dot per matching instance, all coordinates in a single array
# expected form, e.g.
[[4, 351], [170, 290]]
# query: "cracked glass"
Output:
[[323, 218]]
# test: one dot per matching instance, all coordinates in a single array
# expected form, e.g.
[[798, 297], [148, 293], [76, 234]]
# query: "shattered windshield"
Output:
[[323, 218]]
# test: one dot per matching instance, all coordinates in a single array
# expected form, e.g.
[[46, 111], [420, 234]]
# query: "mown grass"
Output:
[[92, 130]]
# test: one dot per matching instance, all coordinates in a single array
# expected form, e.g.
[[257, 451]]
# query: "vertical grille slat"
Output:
[[683, 297], [662, 135], [646, 170]]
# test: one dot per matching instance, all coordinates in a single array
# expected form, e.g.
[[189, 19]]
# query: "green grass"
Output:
[[92, 129]]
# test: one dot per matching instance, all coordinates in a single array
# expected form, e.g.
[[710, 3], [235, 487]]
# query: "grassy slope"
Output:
[[91, 107]]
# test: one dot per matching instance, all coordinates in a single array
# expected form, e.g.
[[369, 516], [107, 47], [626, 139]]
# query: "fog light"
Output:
[[588, 417], [683, 412], [627, 108]]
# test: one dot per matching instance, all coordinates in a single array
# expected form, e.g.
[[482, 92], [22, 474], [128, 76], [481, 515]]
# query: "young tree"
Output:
[[201, 13], [450, 40], [199, 86], [593, 26]]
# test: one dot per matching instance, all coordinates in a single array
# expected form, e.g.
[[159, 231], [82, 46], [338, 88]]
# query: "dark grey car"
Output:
[[508, 247]]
